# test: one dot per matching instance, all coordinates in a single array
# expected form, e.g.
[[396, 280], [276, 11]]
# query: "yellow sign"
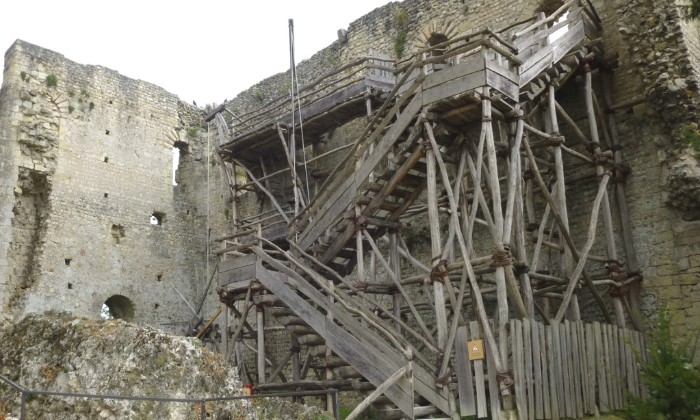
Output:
[[475, 349]]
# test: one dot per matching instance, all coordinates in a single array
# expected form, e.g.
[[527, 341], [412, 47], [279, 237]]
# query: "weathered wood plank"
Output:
[[553, 363], [494, 391], [591, 358], [569, 398], [474, 64], [615, 366], [455, 87], [609, 401], [516, 331], [481, 409], [600, 365], [546, 401], [583, 364], [537, 370], [527, 346], [576, 367], [502, 84], [465, 379]]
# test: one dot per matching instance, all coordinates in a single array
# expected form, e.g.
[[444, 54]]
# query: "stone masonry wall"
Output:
[[87, 160]]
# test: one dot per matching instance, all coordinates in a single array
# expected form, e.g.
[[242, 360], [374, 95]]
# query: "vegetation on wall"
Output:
[[401, 23], [257, 93], [691, 137], [691, 10], [51, 80]]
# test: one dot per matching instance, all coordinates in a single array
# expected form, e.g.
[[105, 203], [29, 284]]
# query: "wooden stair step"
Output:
[[311, 340], [333, 362], [318, 351], [297, 330], [412, 181], [395, 413], [347, 372], [347, 253]]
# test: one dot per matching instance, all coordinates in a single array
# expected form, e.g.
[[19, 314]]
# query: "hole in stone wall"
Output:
[[106, 195], [157, 218], [118, 307], [67, 261], [159, 276], [110, 102], [117, 233], [106, 159], [107, 132], [70, 285], [156, 306]]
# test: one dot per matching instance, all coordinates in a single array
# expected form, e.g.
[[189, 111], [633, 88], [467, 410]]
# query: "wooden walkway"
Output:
[[327, 102]]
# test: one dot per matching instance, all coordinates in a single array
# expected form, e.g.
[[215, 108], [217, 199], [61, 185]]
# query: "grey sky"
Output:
[[203, 51]]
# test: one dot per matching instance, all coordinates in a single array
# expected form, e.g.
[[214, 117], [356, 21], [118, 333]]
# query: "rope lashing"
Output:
[[361, 223], [501, 257], [439, 272], [505, 379]]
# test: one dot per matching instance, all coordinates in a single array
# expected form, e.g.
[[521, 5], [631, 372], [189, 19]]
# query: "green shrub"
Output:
[[400, 43], [51, 80], [673, 380], [192, 132]]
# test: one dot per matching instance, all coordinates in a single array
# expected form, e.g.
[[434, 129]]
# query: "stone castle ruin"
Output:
[[468, 207]]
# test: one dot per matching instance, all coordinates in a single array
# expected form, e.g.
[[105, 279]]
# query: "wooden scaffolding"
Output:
[[501, 152]]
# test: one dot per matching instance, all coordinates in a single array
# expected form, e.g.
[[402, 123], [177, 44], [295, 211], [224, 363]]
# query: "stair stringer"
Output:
[[359, 346], [342, 197]]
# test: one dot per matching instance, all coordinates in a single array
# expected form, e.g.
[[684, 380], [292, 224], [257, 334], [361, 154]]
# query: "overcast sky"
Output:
[[205, 51]]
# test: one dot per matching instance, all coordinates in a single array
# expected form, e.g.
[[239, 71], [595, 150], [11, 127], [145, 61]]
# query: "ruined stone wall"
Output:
[[87, 161]]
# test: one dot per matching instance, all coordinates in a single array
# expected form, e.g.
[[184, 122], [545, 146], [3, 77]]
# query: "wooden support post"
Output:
[[560, 197], [435, 243], [224, 331], [632, 263], [563, 230], [265, 190], [495, 189], [260, 325], [498, 357], [573, 280], [395, 264], [607, 214]]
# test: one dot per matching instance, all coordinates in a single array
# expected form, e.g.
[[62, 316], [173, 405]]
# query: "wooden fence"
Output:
[[570, 369]]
